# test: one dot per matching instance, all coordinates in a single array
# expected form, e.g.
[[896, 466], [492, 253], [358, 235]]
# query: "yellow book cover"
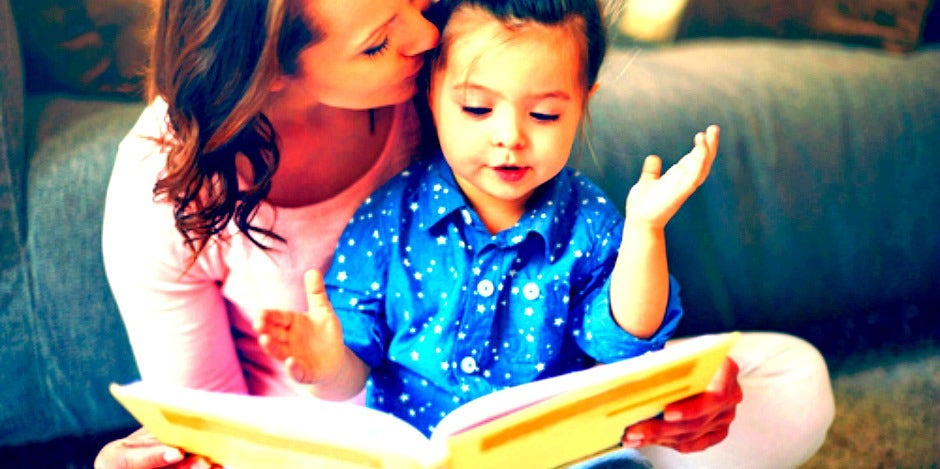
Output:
[[548, 423]]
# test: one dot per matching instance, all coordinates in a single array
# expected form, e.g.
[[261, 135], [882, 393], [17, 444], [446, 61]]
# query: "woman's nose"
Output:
[[419, 34]]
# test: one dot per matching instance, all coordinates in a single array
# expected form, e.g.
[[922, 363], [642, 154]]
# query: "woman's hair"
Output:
[[214, 62]]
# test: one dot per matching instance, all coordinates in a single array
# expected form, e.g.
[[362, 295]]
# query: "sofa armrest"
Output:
[[12, 151]]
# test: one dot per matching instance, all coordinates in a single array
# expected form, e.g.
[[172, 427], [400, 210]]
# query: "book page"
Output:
[[251, 431]]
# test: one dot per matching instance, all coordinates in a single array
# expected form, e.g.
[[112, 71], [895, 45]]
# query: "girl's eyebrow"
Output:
[[467, 86]]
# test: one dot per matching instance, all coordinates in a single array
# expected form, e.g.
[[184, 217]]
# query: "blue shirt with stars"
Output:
[[444, 312]]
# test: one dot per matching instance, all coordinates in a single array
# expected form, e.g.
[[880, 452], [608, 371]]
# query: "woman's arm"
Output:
[[176, 319]]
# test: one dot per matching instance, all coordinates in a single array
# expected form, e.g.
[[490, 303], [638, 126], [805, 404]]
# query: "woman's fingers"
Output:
[[686, 435], [139, 450], [694, 423]]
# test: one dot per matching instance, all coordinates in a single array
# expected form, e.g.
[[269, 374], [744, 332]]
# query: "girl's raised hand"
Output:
[[310, 344], [655, 198]]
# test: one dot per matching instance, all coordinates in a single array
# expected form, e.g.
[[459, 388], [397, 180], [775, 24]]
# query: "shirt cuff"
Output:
[[606, 341]]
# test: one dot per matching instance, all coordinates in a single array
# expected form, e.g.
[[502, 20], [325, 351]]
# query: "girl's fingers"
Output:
[[317, 298], [652, 168]]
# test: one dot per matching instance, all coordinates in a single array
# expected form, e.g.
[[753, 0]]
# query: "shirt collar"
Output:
[[549, 216]]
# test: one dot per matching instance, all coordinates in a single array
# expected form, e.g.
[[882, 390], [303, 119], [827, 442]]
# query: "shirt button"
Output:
[[530, 291], [468, 365], [485, 288]]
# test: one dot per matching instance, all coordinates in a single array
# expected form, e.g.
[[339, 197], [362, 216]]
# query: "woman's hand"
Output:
[[695, 423], [141, 450]]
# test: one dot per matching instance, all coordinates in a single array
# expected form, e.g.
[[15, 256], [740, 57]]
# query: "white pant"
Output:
[[785, 414]]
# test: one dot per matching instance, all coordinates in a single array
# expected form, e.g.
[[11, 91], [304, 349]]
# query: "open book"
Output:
[[548, 423]]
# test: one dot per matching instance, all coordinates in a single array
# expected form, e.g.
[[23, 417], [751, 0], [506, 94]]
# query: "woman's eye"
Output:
[[541, 116], [377, 49], [476, 110]]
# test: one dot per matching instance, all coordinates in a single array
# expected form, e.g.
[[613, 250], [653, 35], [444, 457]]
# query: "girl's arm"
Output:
[[639, 289]]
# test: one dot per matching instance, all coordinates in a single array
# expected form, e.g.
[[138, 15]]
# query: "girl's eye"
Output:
[[540, 116], [476, 111], [377, 49]]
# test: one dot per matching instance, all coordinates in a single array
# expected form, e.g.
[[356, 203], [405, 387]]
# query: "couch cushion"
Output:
[[17, 353], [819, 201], [71, 344], [893, 25]]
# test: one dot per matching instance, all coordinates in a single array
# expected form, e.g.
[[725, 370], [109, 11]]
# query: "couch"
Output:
[[817, 219]]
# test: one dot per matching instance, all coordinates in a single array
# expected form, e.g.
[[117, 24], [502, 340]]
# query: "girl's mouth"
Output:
[[510, 173]]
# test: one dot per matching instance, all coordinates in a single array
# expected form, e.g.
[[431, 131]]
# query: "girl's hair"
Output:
[[214, 62], [586, 15]]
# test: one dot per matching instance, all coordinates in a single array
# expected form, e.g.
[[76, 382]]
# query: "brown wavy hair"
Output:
[[214, 62]]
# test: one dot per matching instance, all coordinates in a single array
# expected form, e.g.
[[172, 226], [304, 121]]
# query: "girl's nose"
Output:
[[507, 132], [418, 33]]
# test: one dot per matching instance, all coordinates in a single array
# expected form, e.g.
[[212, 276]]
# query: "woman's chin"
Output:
[[387, 97]]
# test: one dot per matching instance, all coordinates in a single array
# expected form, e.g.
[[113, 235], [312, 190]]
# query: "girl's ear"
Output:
[[592, 90]]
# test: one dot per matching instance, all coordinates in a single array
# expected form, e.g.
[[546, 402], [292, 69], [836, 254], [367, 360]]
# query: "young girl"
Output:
[[492, 264]]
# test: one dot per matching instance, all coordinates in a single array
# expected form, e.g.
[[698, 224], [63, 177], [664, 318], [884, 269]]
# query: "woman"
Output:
[[270, 121]]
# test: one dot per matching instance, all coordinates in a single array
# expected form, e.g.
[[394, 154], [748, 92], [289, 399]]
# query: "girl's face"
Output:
[[507, 111], [369, 56]]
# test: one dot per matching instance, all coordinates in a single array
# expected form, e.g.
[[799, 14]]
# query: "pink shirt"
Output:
[[193, 328]]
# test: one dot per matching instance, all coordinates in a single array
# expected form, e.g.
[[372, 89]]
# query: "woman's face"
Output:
[[369, 56]]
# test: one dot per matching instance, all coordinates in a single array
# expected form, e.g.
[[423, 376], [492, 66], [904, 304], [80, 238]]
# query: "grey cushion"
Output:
[[16, 350], [76, 334], [820, 199]]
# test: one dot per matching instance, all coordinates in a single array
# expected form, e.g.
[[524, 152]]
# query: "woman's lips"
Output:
[[510, 173]]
